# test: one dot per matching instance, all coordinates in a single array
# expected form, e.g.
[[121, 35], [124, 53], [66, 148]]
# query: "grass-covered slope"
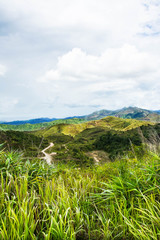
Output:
[[113, 143], [114, 136], [79, 143], [110, 123], [118, 200]]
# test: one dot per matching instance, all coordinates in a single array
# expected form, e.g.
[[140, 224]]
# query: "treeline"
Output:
[[34, 127], [23, 141]]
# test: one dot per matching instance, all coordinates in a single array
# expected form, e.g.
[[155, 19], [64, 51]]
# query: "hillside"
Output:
[[111, 136], [23, 141], [78, 142], [109, 123]]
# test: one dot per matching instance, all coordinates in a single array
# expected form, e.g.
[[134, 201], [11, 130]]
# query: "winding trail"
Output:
[[48, 156], [96, 160]]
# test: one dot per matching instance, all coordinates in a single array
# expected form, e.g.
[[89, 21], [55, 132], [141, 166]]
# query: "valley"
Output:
[[75, 142], [81, 180]]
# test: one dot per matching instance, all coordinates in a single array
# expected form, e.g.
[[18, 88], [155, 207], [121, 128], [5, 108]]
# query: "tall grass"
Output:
[[118, 200]]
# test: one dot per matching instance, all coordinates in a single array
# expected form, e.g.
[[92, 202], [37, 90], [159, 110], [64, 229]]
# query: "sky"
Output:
[[61, 58]]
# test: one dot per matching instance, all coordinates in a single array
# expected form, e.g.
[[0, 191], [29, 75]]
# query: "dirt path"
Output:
[[48, 156], [96, 160]]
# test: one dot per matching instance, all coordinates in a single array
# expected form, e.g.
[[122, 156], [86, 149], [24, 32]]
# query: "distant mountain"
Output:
[[157, 111], [127, 113], [38, 120], [31, 121]]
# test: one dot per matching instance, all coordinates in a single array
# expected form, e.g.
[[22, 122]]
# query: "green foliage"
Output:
[[113, 135], [117, 143], [73, 155], [23, 141], [34, 127], [108, 123], [117, 200]]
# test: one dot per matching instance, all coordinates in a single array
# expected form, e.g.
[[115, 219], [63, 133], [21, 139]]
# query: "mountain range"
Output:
[[77, 138], [30, 121], [126, 113]]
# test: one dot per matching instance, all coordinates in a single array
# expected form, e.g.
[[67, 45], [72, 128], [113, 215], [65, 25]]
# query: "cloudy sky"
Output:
[[62, 58]]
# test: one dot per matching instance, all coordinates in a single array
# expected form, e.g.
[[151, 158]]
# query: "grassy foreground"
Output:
[[118, 200]]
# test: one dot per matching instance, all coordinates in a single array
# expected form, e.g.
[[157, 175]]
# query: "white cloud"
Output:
[[7, 104], [108, 52], [3, 70], [119, 63], [119, 77], [59, 13], [120, 19]]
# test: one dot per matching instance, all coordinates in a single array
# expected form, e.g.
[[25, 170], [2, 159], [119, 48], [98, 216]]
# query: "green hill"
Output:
[[113, 136], [76, 142], [110, 123]]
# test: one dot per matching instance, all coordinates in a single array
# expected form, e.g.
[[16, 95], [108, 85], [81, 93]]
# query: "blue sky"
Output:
[[68, 57]]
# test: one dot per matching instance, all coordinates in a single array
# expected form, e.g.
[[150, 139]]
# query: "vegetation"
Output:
[[30, 144], [110, 123], [116, 200], [76, 142], [104, 182], [124, 113], [34, 127]]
